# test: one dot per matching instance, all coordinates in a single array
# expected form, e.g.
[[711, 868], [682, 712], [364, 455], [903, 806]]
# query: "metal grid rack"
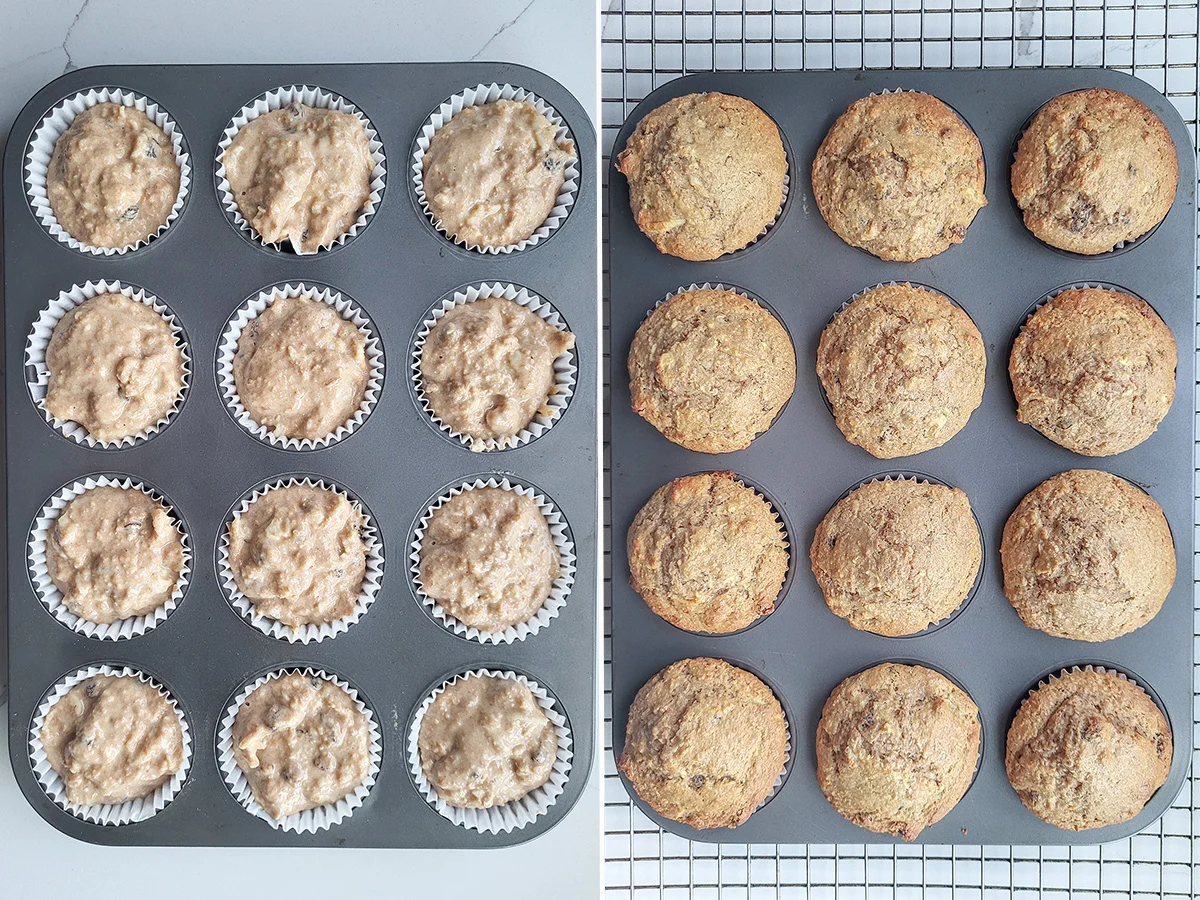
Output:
[[645, 43]]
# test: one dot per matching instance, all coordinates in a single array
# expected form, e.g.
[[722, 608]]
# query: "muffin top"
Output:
[[492, 173], [1087, 749], [488, 559], [897, 747], [1094, 371], [711, 369], [114, 553], [903, 370], [113, 178], [899, 175], [705, 743], [301, 369], [115, 368], [487, 368], [485, 741], [1087, 556], [300, 174], [705, 173], [112, 738], [707, 553], [894, 557], [1094, 168]]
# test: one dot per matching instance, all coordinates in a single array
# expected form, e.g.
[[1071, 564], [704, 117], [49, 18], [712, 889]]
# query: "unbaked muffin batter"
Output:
[[492, 173], [298, 555], [114, 553], [115, 367], [487, 367], [301, 369], [111, 739], [301, 742], [485, 742], [113, 178], [300, 174], [487, 557]]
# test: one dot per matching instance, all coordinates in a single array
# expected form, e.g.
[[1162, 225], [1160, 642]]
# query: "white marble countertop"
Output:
[[44, 39]]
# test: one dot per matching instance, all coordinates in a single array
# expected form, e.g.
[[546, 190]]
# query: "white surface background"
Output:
[[40, 40]]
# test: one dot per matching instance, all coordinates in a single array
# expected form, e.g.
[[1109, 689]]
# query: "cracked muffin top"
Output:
[[1093, 169]]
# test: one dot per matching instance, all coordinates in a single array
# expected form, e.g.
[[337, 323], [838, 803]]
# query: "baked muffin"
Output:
[[112, 738], [706, 174], [705, 743], [302, 742], [300, 174], [487, 369], [1087, 749], [903, 370], [894, 557], [1094, 371], [711, 370], [492, 173], [899, 175], [485, 741], [707, 553], [113, 178], [1093, 169], [115, 367], [487, 558], [301, 369], [1087, 556], [298, 555], [897, 748], [114, 553]]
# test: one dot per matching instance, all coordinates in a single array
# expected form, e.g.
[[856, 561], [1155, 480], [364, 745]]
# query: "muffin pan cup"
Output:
[[395, 269], [804, 271]]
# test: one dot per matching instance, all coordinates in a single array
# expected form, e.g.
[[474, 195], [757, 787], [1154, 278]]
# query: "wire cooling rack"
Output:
[[646, 43]]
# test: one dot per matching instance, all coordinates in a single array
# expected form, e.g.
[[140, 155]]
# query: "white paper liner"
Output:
[[508, 816], [560, 588], [52, 597], [564, 365], [251, 310], [58, 120], [38, 380], [136, 810], [310, 820], [317, 98], [478, 96], [303, 634]]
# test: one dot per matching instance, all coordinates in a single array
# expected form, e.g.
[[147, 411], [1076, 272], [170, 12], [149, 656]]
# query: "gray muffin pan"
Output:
[[805, 272], [396, 268]]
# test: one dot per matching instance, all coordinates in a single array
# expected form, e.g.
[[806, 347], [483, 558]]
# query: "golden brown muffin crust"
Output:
[[705, 743], [896, 748], [1094, 168], [1094, 371], [711, 369], [1087, 749], [1087, 556]]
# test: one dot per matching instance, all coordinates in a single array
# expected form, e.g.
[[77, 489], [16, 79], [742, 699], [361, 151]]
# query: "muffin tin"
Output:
[[395, 269], [805, 272]]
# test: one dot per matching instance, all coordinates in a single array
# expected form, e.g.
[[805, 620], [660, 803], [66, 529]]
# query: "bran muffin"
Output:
[[899, 175], [897, 748], [903, 369], [711, 369], [705, 743], [707, 553], [706, 174], [1087, 749], [1094, 371], [1093, 169], [1087, 556], [894, 557]]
